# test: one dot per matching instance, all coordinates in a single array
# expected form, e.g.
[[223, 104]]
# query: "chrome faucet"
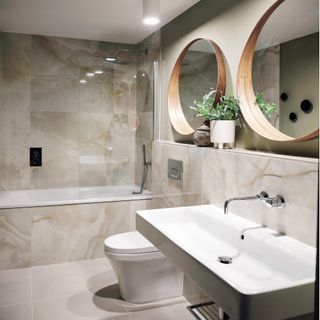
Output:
[[271, 202]]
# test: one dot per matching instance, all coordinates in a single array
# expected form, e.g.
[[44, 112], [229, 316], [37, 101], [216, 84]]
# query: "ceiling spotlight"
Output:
[[151, 21], [83, 81], [90, 74], [98, 72], [151, 12]]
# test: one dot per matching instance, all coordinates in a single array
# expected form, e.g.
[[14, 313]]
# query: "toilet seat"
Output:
[[129, 243]]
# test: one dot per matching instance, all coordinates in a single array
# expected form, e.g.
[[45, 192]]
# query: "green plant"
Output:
[[267, 108], [203, 108], [226, 109]]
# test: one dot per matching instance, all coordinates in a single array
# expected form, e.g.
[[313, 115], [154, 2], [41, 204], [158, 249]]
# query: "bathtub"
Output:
[[67, 196]]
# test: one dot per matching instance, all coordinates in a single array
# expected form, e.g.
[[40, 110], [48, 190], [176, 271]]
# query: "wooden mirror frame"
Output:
[[177, 117], [251, 112]]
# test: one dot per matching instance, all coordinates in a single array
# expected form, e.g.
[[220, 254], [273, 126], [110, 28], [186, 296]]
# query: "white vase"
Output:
[[222, 132]]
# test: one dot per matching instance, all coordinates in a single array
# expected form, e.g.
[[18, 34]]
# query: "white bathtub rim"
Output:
[[146, 195]]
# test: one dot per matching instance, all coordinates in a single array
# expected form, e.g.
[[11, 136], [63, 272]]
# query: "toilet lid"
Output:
[[128, 242]]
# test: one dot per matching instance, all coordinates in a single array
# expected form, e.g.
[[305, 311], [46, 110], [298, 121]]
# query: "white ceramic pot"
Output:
[[222, 132]]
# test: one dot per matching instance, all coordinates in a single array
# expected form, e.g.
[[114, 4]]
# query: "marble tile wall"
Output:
[[229, 174], [50, 235], [172, 193], [15, 238], [15, 110], [87, 131]]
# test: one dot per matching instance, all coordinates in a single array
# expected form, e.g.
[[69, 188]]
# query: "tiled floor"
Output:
[[73, 291]]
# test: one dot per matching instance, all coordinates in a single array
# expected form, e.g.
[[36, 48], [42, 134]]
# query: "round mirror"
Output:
[[278, 79], [199, 69]]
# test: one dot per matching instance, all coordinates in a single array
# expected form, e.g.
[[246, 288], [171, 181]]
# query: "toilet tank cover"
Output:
[[128, 242]]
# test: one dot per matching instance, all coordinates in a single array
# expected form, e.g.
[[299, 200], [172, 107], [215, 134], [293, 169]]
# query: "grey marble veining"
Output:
[[70, 233], [87, 131], [48, 235], [172, 192], [15, 108], [227, 175], [15, 239]]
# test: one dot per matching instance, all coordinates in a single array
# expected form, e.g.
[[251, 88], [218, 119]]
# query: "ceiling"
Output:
[[104, 20]]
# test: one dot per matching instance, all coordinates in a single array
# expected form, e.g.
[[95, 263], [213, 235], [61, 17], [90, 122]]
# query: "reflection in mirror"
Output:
[[286, 66], [198, 76]]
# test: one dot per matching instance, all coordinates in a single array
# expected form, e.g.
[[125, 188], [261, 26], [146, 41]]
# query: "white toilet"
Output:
[[144, 273]]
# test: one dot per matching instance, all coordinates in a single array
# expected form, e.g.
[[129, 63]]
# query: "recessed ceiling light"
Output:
[[83, 81], [151, 12], [151, 21], [98, 72], [90, 74]]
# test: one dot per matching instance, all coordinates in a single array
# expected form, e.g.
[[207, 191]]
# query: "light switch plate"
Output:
[[175, 169]]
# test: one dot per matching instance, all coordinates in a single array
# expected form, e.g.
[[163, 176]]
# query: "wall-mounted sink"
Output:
[[271, 276]]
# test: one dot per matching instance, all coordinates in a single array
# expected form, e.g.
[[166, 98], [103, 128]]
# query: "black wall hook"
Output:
[[293, 117], [306, 106]]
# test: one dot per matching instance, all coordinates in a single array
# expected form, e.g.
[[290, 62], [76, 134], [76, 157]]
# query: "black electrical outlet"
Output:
[[35, 157]]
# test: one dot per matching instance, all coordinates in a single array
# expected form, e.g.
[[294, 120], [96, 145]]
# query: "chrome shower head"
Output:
[[116, 58]]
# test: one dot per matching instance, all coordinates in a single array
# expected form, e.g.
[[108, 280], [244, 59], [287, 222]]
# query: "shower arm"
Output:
[[145, 51], [119, 51]]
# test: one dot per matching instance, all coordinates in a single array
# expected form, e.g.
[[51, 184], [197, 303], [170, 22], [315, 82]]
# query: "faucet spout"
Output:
[[272, 202], [262, 195]]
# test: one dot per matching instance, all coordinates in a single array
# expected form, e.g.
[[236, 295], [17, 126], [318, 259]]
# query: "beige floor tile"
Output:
[[67, 279], [21, 311], [84, 290], [173, 312], [81, 306], [131, 307], [15, 286]]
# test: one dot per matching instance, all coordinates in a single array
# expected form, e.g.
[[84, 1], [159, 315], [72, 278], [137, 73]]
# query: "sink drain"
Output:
[[225, 259]]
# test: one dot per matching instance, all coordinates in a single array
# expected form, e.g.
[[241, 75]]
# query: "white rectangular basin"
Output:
[[271, 275]]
